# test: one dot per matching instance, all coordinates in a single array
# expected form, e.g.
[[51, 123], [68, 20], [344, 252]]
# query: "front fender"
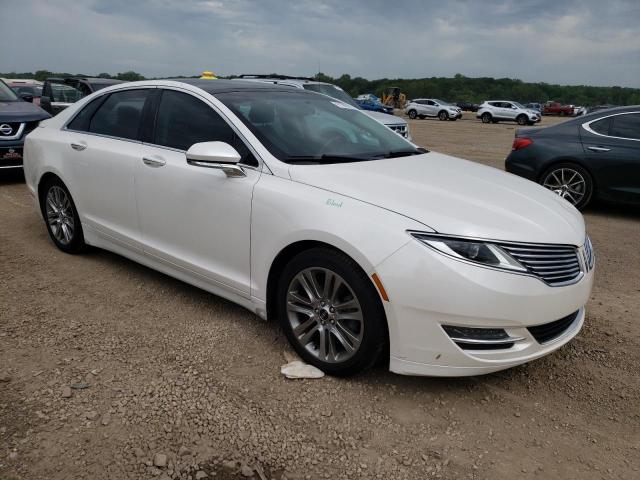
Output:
[[285, 212]]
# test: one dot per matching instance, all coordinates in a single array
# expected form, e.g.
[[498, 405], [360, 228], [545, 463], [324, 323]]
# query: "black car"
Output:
[[592, 156], [468, 106], [63, 92], [17, 118]]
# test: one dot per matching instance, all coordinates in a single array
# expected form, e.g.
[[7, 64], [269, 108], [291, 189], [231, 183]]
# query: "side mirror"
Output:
[[218, 155], [45, 104], [26, 97]]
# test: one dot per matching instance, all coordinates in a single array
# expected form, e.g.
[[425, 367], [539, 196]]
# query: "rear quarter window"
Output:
[[601, 126], [626, 126]]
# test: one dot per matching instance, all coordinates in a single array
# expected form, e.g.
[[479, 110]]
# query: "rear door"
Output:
[[104, 144], [612, 149]]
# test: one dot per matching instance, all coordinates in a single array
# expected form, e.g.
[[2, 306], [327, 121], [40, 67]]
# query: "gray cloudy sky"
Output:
[[594, 42]]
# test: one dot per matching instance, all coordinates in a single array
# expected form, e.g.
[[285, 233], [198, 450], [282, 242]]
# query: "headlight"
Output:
[[475, 251]]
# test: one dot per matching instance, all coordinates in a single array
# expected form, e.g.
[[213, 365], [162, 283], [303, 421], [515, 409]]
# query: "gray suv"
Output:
[[396, 124]]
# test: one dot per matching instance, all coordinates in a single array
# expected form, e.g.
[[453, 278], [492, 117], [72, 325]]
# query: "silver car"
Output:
[[432, 107], [494, 111]]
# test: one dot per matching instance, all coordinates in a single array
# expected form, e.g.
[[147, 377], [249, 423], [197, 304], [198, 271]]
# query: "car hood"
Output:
[[21, 112], [385, 118], [453, 196]]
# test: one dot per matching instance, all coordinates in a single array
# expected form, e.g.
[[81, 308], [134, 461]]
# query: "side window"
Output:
[[601, 126], [626, 126], [183, 120], [81, 121], [120, 114], [430, 102]]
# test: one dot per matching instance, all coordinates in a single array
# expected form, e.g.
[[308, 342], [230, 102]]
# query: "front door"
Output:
[[195, 218]]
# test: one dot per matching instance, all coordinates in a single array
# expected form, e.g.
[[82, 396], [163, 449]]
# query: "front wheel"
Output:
[[330, 312], [443, 115], [571, 182], [522, 120], [61, 217], [486, 117], [412, 114]]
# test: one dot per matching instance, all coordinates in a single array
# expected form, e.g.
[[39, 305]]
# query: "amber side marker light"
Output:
[[383, 292]]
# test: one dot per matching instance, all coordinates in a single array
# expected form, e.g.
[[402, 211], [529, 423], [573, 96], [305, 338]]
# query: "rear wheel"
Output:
[[412, 114], [486, 117], [571, 182], [522, 119], [330, 312], [443, 115], [61, 217]]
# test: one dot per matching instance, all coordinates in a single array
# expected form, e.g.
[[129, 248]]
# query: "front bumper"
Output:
[[11, 154], [428, 290]]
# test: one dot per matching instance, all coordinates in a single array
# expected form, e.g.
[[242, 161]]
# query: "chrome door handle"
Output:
[[599, 149], [153, 162], [78, 146]]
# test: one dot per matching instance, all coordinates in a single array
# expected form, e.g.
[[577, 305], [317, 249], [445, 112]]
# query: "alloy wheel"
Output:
[[567, 183], [325, 315], [60, 215]]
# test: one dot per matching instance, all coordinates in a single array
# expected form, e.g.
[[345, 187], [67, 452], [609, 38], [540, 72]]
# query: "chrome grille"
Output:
[[400, 129], [588, 254], [554, 264]]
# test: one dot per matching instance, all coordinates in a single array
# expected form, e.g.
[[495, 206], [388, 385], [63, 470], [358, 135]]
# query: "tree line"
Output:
[[453, 89]]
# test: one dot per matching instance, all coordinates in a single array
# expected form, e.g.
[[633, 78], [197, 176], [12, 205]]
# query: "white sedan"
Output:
[[306, 211]]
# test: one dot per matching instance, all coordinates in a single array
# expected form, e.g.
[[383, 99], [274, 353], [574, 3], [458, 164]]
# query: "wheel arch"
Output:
[[42, 182], [287, 253]]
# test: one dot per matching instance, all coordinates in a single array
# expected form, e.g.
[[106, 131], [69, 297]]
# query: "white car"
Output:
[[305, 210], [494, 111], [432, 107], [397, 124]]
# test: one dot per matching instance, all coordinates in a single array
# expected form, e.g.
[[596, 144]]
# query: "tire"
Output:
[[486, 117], [522, 119], [442, 115], [61, 217], [412, 114], [561, 180], [308, 318]]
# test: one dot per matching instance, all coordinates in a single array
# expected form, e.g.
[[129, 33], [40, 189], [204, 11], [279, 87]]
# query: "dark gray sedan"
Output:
[[593, 156]]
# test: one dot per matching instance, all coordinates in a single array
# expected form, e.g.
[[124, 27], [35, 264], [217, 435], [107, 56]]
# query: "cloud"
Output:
[[569, 42]]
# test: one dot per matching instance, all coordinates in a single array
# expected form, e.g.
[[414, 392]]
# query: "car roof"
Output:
[[220, 86]]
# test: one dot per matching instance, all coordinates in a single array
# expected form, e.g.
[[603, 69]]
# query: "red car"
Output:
[[555, 108]]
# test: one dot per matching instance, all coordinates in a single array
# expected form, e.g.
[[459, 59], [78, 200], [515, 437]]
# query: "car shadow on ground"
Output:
[[10, 177], [601, 209]]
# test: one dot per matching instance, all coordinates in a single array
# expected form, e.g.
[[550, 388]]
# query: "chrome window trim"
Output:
[[17, 135], [579, 255], [72, 118], [587, 126], [261, 162], [224, 117]]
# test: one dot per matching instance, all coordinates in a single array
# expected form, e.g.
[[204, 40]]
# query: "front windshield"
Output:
[[517, 104], [6, 94], [441, 102], [299, 127], [332, 91]]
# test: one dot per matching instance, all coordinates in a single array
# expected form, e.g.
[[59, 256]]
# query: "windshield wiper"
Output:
[[405, 152], [326, 158]]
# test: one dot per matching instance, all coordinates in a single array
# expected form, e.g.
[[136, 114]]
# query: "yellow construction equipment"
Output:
[[207, 75], [392, 97]]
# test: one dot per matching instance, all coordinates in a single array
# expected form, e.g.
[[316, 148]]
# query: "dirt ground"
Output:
[[111, 370]]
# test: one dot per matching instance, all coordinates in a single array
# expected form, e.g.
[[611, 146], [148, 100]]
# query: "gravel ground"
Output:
[[111, 370]]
